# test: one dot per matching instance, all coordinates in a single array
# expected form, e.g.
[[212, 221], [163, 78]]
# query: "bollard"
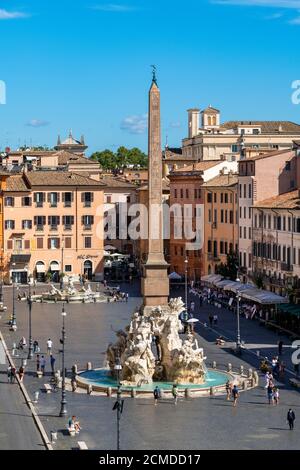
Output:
[[229, 367], [211, 391], [214, 365], [250, 373], [108, 391], [133, 393], [241, 370], [89, 389], [187, 393], [89, 366]]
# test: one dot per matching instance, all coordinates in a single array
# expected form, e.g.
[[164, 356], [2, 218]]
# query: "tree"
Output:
[[123, 158], [230, 268]]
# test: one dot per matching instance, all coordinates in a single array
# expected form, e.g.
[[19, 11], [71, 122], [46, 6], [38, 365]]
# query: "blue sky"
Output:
[[85, 65]]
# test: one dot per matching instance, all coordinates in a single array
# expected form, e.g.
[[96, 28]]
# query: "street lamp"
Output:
[[14, 320], [186, 261], [119, 403], [29, 301], [238, 338], [1, 280], [63, 409]]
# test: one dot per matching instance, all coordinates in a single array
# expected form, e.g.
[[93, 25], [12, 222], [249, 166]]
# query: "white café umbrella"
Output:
[[192, 320], [174, 276]]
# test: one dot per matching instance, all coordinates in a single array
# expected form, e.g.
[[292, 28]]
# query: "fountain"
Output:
[[69, 293]]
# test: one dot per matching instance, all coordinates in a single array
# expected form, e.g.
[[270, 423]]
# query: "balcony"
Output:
[[40, 228], [87, 227], [68, 227], [53, 228], [213, 257], [68, 204], [39, 204], [87, 204]]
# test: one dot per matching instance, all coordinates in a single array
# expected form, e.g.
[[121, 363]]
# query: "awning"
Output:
[[212, 278], [174, 276], [54, 267], [292, 309], [20, 259], [223, 283], [40, 268], [109, 248], [263, 297]]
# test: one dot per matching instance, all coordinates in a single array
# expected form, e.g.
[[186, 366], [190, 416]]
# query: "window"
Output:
[[215, 197], [245, 190], [9, 225], [9, 201], [68, 242], [209, 246], [231, 217], [53, 221], [67, 199], [87, 199], [53, 199], [39, 199], [287, 166], [209, 197], [222, 216], [68, 221], [68, 268], [226, 248], [9, 244], [40, 243], [215, 216], [53, 243], [26, 224], [245, 212], [39, 222], [209, 215], [255, 131], [240, 212], [26, 244], [108, 199], [18, 244], [250, 191], [221, 248], [249, 233], [175, 193], [87, 221], [234, 148], [187, 193], [245, 232], [222, 198], [240, 186], [181, 193], [226, 217], [26, 201], [226, 198]]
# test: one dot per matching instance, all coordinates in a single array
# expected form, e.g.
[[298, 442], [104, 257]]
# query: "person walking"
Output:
[[192, 307], [175, 393], [228, 389], [43, 364], [235, 395], [296, 369], [126, 297], [280, 346], [13, 375], [49, 347], [38, 363], [215, 319], [8, 374], [156, 394], [21, 373], [52, 363], [36, 348], [270, 393], [276, 396], [291, 418], [210, 318]]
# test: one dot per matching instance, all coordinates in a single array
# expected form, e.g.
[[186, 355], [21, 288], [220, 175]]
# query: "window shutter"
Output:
[[58, 220], [82, 197], [23, 201], [64, 220], [44, 220], [92, 219], [49, 243], [58, 197], [30, 201], [35, 220], [9, 244], [92, 197], [13, 225], [72, 219], [27, 244], [63, 197], [82, 220], [34, 197], [44, 197], [49, 197], [72, 197], [58, 243], [49, 219]]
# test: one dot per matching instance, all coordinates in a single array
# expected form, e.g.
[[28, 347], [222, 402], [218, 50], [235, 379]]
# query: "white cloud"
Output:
[[275, 16], [37, 123], [11, 15], [295, 20], [136, 124], [113, 7], [294, 4], [175, 125]]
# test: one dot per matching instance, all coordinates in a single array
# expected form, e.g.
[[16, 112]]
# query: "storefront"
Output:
[[19, 271], [40, 271], [55, 271], [88, 270]]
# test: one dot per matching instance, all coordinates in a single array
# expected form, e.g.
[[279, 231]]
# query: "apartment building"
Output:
[[262, 177], [220, 196], [276, 243], [53, 223]]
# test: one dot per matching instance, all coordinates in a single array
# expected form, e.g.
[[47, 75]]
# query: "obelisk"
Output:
[[155, 282]]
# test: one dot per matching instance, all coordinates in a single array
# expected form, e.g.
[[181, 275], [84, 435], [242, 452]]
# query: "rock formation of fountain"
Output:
[[69, 293], [179, 361]]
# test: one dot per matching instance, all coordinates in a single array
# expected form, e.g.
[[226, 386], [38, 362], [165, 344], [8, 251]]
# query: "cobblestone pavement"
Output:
[[203, 423]]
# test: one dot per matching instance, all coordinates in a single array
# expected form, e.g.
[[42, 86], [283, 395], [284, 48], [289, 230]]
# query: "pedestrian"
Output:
[[43, 365], [281, 369], [52, 362], [192, 306], [296, 369], [49, 346], [276, 395], [235, 395], [21, 373], [73, 384], [127, 297], [228, 389], [270, 393], [36, 348], [13, 375], [156, 394], [175, 393], [22, 343], [210, 318], [38, 363], [280, 346], [8, 374], [291, 418], [215, 319]]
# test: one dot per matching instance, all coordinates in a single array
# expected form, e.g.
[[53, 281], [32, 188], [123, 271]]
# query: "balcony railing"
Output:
[[287, 267], [40, 228], [68, 227], [87, 227], [53, 227]]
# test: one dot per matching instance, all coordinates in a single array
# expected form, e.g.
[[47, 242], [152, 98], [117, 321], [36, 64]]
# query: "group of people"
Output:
[[232, 391], [116, 296], [157, 394]]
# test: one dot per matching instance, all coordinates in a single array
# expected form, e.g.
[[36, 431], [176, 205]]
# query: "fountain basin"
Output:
[[101, 380]]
